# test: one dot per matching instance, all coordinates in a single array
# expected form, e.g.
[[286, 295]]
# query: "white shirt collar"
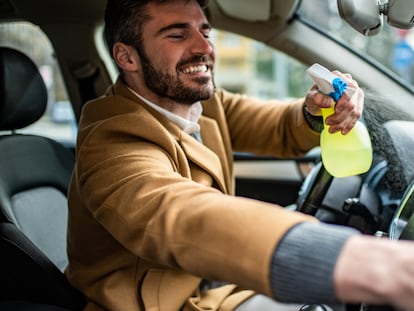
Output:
[[189, 125]]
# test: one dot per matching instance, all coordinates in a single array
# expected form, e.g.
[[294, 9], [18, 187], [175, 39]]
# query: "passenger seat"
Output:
[[34, 177]]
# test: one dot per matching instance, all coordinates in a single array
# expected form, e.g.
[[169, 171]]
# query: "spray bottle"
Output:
[[342, 155]]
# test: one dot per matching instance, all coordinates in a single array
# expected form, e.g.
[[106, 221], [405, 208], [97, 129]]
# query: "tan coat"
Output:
[[151, 210]]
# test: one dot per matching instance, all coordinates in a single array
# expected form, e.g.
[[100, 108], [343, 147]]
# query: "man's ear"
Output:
[[125, 56]]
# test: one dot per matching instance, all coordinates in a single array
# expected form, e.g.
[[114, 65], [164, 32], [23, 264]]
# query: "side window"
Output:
[[249, 67], [58, 121]]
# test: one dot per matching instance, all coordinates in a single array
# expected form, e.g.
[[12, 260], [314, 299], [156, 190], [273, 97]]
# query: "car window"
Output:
[[392, 47], [250, 67], [59, 121]]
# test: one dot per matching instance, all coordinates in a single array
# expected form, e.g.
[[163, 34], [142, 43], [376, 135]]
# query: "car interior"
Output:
[[35, 170], [34, 180]]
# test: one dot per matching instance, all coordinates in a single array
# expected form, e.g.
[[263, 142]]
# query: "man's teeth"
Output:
[[194, 69]]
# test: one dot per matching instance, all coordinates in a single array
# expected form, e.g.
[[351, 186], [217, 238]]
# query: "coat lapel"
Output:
[[205, 158], [213, 140]]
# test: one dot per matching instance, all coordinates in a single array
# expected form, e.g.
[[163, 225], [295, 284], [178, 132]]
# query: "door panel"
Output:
[[271, 179]]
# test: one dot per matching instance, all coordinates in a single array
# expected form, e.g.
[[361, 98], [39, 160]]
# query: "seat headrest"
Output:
[[23, 93]]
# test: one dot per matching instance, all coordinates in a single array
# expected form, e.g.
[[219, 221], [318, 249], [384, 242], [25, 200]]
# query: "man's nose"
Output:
[[201, 45]]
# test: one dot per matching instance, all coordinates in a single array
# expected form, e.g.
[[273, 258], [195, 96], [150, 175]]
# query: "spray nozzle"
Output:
[[327, 82], [339, 87]]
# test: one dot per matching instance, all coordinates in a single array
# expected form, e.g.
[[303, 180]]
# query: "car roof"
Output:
[[225, 14]]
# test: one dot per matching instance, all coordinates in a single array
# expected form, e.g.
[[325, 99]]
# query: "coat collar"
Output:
[[188, 125]]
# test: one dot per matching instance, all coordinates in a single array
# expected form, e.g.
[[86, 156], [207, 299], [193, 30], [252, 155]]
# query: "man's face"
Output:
[[176, 56]]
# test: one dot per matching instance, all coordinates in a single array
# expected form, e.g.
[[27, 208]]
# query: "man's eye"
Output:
[[176, 36]]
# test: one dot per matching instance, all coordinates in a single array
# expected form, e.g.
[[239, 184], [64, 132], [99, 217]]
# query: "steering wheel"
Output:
[[399, 222], [401, 228], [402, 224], [314, 190]]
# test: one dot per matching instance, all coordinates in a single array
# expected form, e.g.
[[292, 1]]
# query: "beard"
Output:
[[166, 85]]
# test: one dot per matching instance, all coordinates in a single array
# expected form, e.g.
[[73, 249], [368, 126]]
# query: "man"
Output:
[[153, 224]]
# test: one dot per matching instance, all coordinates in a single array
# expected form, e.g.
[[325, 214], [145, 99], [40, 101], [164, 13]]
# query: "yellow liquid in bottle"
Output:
[[345, 155]]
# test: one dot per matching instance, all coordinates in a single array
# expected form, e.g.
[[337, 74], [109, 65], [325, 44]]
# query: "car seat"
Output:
[[34, 177]]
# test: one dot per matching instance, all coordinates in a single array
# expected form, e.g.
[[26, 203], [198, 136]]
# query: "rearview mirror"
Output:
[[367, 16]]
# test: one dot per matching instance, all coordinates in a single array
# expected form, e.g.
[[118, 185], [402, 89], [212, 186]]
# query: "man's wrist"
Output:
[[315, 122], [373, 282]]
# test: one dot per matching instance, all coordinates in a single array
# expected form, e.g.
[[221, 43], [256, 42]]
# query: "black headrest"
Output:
[[23, 93]]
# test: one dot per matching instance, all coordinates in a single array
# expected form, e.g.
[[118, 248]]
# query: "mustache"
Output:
[[196, 59]]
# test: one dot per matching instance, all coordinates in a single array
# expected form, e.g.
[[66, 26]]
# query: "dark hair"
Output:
[[124, 20]]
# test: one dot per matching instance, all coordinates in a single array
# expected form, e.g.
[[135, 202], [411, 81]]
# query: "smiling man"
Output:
[[184, 75], [153, 222]]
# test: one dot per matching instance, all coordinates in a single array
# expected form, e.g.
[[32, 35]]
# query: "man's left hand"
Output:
[[348, 109]]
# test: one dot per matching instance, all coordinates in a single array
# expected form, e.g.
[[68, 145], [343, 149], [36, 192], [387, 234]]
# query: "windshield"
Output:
[[393, 48]]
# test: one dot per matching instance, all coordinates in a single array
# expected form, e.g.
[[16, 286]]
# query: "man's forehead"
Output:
[[175, 13]]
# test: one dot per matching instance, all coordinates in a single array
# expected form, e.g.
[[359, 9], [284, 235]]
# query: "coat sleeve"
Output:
[[134, 189], [270, 127]]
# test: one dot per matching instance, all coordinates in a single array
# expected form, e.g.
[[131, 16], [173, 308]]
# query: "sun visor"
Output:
[[258, 10]]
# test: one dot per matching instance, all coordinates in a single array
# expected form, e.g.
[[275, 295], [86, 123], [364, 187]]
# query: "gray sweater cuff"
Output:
[[303, 263], [315, 122]]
